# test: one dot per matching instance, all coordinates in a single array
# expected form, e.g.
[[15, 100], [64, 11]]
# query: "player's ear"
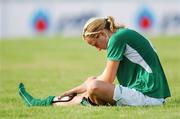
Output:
[[100, 33], [103, 33]]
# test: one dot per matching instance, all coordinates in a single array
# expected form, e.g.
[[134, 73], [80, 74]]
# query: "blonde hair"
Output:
[[95, 25]]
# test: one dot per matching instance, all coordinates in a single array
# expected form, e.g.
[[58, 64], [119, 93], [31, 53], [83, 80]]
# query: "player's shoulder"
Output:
[[119, 35], [123, 33]]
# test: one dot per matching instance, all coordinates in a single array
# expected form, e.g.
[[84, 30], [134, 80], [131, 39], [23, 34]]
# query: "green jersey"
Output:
[[139, 67]]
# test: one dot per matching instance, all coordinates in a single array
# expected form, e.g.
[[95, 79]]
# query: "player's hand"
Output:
[[69, 94]]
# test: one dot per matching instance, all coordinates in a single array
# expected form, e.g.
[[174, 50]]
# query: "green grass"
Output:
[[52, 65]]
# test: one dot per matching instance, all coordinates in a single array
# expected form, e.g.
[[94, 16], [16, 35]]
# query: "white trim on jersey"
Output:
[[135, 57]]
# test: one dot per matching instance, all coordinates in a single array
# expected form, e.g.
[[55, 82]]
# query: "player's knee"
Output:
[[90, 79], [92, 87]]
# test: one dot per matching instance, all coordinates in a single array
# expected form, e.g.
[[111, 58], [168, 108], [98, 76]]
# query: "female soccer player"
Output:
[[130, 57]]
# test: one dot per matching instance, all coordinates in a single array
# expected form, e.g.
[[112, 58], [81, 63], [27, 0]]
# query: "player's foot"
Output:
[[31, 101], [27, 98]]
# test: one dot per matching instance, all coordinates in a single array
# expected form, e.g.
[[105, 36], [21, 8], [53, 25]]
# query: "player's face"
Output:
[[100, 42]]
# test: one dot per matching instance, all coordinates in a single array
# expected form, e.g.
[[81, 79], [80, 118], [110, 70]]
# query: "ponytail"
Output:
[[113, 27]]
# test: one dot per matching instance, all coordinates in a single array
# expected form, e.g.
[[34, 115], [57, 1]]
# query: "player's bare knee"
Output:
[[92, 88]]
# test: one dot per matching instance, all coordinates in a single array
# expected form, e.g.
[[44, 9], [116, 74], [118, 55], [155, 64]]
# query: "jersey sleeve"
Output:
[[116, 48]]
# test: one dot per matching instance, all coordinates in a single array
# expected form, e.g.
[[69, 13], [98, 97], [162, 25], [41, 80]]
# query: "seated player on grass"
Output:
[[130, 57]]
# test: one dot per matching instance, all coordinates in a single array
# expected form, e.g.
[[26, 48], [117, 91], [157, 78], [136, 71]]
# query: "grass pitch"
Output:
[[50, 66]]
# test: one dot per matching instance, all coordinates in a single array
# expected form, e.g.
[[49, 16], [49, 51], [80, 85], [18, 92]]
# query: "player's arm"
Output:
[[110, 71], [79, 89], [108, 75]]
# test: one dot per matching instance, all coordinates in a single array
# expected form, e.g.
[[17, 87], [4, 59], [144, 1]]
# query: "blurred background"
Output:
[[55, 58], [27, 18]]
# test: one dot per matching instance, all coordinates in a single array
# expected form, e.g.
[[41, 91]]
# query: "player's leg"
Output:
[[76, 100], [101, 93], [51, 100]]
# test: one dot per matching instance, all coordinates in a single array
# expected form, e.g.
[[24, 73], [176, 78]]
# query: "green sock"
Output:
[[85, 102], [31, 101]]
